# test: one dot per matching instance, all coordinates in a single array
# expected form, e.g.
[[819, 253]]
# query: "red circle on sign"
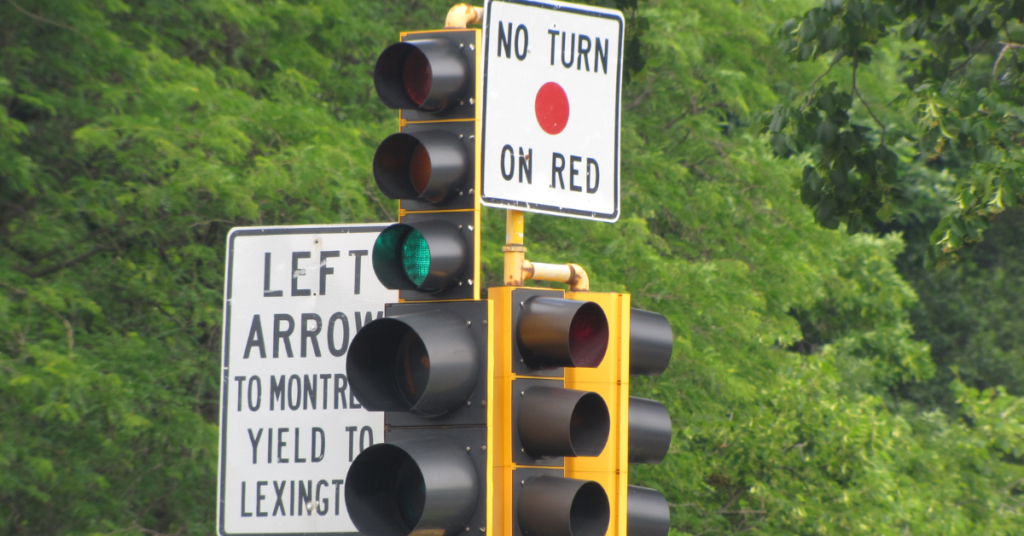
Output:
[[552, 107]]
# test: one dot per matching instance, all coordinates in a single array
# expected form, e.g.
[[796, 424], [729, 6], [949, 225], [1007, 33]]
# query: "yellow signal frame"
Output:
[[610, 380]]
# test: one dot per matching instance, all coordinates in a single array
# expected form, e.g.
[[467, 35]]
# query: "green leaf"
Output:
[[827, 133]]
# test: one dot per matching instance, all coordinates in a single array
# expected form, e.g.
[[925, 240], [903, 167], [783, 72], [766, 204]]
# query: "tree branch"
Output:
[[636, 102], [735, 497], [1006, 46], [835, 60], [673, 122], [969, 58], [864, 102], [38, 18], [66, 263]]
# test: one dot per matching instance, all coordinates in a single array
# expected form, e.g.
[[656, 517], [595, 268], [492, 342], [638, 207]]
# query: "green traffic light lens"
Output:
[[415, 257]]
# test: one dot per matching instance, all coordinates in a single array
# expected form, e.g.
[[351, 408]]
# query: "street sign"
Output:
[[295, 297], [550, 133]]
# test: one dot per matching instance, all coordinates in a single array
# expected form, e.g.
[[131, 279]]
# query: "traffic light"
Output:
[[426, 364], [431, 166], [540, 423], [650, 427]]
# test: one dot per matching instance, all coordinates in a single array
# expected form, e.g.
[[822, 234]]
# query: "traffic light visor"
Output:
[[650, 431], [650, 343], [555, 332], [424, 74], [553, 422], [429, 166], [555, 506], [647, 512], [424, 363], [411, 487], [428, 256]]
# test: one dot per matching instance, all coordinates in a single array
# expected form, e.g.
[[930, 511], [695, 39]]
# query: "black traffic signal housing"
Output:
[[431, 166], [426, 363], [650, 427]]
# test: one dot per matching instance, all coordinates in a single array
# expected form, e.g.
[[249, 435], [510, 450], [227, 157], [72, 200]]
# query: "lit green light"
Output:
[[415, 257]]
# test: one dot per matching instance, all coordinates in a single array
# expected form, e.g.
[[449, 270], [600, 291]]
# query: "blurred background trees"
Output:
[[823, 382]]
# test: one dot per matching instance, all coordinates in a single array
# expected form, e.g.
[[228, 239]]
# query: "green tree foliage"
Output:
[[959, 108], [134, 135], [970, 314]]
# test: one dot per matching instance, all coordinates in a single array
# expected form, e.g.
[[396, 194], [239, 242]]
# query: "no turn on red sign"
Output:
[[552, 83]]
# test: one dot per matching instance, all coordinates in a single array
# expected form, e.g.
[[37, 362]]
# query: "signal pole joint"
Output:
[[462, 14], [518, 269]]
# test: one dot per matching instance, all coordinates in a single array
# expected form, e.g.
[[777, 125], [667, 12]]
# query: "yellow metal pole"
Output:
[[515, 251]]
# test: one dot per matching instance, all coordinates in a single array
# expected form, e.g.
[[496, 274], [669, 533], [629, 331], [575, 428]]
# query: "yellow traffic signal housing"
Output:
[[556, 403], [603, 332]]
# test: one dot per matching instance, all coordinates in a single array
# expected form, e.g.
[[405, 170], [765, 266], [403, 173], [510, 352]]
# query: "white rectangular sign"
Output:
[[552, 81], [290, 425]]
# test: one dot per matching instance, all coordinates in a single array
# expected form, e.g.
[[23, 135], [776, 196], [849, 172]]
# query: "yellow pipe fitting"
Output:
[[579, 281], [572, 274], [462, 14]]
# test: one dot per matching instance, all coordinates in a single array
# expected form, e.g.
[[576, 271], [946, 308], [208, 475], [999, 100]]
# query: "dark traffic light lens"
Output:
[[589, 425], [417, 76], [410, 494], [432, 166], [388, 484], [415, 257], [419, 168], [589, 512], [412, 369], [588, 336]]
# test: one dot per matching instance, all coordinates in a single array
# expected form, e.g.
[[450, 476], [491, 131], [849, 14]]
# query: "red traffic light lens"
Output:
[[429, 75], [417, 76], [588, 336], [556, 332]]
